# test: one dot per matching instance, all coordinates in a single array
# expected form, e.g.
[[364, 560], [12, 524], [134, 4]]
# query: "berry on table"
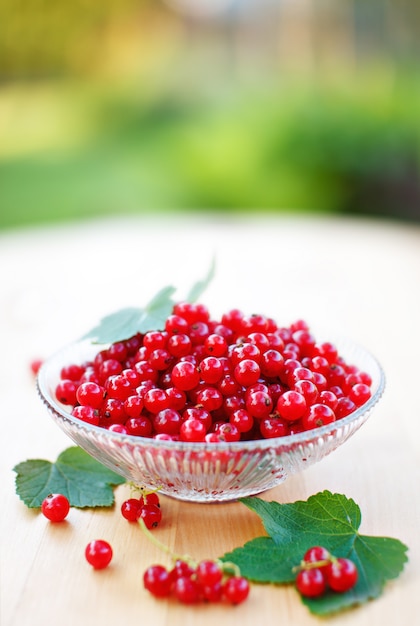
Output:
[[236, 589], [98, 553], [35, 366], [55, 507], [157, 580]]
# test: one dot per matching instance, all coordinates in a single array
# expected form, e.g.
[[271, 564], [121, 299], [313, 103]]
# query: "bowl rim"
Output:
[[52, 404]]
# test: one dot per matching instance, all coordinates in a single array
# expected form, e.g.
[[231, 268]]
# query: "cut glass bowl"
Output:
[[206, 472]]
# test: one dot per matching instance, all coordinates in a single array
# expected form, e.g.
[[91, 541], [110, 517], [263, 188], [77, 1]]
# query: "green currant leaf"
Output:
[[128, 322], [116, 326], [75, 474], [330, 520], [201, 285]]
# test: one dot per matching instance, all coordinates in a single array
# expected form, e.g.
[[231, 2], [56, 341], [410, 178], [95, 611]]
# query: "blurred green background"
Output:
[[137, 106]]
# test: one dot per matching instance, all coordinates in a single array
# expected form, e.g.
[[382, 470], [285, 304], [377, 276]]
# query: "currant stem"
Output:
[[227, 567], [143, 490], [305, 565], [162, 546]]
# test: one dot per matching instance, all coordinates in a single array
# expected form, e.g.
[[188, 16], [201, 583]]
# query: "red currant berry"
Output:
[[139, 426], [157, 580], [228, 385], [160, 359], [311, 582], [259, 404], [199, 331], [118, 351], [272, 363], [55, 507], [271, 427], [198, 413], [65, 392], [318, 415], [216, 345], [118, 428], [176, 324], [35, 366], [212, 593], [179, 345], [242, 420], [291, 405], [359, 394], [315, 554], [130, 509], [133, 406], [151, 498], [186, 590], [236, 589], [247, 372], [151, 515], [327, 350], [145, 371], [113, 411], [110, 367], [228, 432], [185, 375], [192, 430], [98, 553], [155, 340], [177, 398], [156, 400], [119, 387], [344, 407], [341, 575], [211, 370], [318, 554], [181, 568], [208, 573], [308, 390], [243, 351], [167, 421], [329, 398], [86, 414], [232, 404], [210, 398]]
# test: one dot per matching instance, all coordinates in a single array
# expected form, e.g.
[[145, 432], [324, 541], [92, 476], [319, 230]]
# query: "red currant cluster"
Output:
[[190, 583], [199, 379], [320, 570], [147, 508]]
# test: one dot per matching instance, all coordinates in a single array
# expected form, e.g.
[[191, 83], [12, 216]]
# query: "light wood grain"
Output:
[[357, 277]]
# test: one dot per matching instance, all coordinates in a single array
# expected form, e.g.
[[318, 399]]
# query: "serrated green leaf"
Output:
[[127, 322], [155, 313], [116, 326], [330, 520], [75, 474], [262, 560], [201, 285]]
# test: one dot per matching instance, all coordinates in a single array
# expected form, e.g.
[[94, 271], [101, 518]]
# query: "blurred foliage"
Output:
[[40, 38], [121, 106], [125, 154]]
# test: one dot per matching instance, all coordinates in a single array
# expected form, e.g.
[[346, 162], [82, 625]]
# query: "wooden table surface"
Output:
[[360, 278]]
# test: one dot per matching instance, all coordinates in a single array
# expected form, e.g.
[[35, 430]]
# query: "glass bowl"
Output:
[[206, 472]]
